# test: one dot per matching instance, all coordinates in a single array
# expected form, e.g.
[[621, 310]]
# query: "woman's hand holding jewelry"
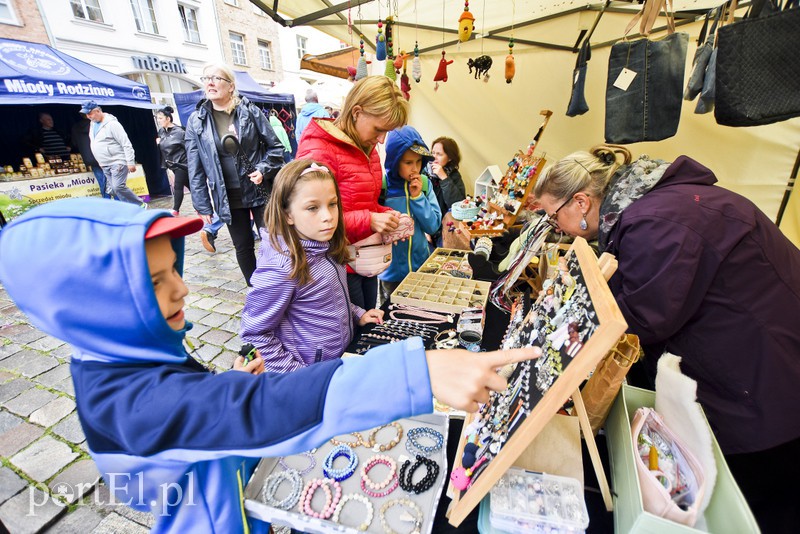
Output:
[[371, 316], [384, 222], [463, 379]]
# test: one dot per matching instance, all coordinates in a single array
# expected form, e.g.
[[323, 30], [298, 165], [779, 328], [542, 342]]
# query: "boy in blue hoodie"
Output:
[[168, 436], [409, 191]]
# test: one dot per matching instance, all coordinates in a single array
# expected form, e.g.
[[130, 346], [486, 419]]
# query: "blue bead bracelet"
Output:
[[345, 472], [415, 447]]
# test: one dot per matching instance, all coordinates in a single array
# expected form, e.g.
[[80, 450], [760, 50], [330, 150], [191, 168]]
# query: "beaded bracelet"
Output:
[[312, 463], [413, 445], [355, 497], [272, 483], [407, 475], [416, 518], [390, 484], [371, 442], [353, 444], [345, 472], [330, 500]]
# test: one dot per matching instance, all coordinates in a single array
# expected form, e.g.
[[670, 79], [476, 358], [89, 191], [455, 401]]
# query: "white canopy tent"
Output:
[[490, 121]]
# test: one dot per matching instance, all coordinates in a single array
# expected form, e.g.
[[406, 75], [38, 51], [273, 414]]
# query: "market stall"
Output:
[[34, 79]]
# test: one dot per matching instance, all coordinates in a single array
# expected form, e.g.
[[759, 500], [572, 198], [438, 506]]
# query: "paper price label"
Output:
[[624, 79]]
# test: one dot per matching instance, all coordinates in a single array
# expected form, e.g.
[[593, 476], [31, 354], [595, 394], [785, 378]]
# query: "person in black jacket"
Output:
[[170, 141], [447, 183], [233, 156]]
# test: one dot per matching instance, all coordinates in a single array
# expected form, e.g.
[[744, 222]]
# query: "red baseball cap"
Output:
[[174, 227]]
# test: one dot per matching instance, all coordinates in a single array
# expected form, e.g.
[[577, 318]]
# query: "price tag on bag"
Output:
[[624, 79]]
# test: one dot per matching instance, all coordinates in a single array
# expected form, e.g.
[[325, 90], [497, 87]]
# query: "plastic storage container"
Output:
[[525, 501]]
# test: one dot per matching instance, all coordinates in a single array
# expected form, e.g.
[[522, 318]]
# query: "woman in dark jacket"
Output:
[[705, 275], [447, 182], [170, 141], [240, 180]]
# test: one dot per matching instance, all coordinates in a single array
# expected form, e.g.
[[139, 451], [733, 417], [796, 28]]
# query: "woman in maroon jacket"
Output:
[[705, 275], [347, 146]]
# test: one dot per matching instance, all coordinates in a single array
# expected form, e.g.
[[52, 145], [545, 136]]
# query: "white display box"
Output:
[[353, 513], [488, 182]]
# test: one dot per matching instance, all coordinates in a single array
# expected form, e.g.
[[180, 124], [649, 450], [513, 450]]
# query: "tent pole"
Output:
[[789, 187]]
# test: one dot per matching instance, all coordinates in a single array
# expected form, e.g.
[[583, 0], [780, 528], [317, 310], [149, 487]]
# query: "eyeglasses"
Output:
[[215, 79], [553, 219]]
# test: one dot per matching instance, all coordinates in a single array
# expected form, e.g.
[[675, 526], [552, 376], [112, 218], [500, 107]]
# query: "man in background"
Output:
[[113, 151], [311, 109], [80, 138], [46, 140]]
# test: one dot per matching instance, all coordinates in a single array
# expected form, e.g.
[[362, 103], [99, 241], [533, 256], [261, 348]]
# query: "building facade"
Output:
[[250, 40], [20, 19], [161, 43]]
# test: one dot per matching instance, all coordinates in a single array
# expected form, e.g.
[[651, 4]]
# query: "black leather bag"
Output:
[[758, 66]]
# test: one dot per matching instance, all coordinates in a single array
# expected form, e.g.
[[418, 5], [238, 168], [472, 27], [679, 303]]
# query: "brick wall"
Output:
[[254, 28], [31, 25]]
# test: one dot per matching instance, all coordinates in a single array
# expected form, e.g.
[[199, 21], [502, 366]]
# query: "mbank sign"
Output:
[[163, 65]]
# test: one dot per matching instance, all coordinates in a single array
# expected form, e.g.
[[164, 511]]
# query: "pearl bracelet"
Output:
[[371, 439], [406, 503], [352, 444], [390, 483], [413, 445], [272, 483], [331, 500], [345, 472], [355, 497], [309, 467]]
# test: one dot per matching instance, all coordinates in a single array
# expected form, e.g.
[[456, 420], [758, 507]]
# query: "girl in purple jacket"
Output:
[[299, 311]]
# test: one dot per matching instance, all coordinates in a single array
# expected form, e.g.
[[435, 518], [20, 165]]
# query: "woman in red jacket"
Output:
[[346, 145]]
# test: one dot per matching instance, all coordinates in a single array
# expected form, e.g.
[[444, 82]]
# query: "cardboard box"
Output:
[[727, 511]]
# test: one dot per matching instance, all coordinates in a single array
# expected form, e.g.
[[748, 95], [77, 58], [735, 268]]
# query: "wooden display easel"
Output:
[[611, 325]]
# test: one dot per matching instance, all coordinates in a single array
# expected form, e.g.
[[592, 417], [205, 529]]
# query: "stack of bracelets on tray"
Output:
[[393, 330], [295, 481]]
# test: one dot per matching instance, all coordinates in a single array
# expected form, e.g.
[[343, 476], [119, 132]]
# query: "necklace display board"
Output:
[[575, 321]]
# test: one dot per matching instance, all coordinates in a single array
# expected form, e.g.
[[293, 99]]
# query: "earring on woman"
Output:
[[583, 225]]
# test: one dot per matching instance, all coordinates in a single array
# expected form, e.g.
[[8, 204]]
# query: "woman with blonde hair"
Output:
[[233, 156], [703, 274], [346, 145]]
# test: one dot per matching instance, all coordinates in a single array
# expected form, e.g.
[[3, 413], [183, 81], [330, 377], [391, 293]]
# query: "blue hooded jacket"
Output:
[[168, 436], [409, 255]]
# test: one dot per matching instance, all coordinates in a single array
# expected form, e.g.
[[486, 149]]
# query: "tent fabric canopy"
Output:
[[246, 86], [33, 73]]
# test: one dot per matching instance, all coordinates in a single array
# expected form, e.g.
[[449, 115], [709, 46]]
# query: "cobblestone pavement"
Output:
[[48, 481]]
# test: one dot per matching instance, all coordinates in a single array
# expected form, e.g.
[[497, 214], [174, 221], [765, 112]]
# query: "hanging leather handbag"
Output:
[[645, 81], [758, 66], [577, 101]]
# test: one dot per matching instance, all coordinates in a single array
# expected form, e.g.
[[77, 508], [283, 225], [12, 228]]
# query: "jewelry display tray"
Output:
[[353, 513], [441, 293], [444, 260]]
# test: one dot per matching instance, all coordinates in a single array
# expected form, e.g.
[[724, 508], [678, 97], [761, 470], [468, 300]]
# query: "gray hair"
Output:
[[311, 95]]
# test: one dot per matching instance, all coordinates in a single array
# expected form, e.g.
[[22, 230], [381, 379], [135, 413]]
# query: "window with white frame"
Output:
[[302, 45], [189, 22], [7, 14], [87, 10], [234, 3], [237, 48], [265, 54], [145, 16]]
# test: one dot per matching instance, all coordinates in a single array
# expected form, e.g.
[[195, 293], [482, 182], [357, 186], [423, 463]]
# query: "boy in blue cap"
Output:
[[168, 436]]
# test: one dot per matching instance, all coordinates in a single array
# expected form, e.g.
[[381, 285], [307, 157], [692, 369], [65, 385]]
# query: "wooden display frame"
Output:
[[610, 326]]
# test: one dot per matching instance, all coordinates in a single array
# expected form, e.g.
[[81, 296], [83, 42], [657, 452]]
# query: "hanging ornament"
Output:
[[389, 71], [380, 43], [441, 73], [416, 68], [510, 68], [482, 65], [405, 84], [361, 70], [466, 23]]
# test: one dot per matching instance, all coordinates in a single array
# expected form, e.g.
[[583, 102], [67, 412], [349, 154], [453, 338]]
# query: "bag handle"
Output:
[[648, 15]]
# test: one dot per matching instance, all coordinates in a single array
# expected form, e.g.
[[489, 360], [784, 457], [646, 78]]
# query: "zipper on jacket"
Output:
[[318, 355], [346, 295], [411, 238]]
